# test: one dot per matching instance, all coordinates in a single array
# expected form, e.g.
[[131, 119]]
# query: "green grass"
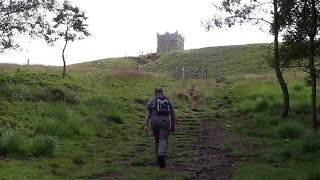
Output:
[[90, 124], [229, 60], [15, 144], [281, 149], [107, 64], [99, 135], [289, 130]]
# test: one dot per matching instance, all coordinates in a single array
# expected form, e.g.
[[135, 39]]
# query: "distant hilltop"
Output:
[[169, 42]]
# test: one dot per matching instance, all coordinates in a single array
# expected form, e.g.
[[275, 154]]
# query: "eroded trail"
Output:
[[196, 150], [213, 162], [205, 157]]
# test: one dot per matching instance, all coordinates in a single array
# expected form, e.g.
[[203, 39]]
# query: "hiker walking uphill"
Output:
[[161, 114]]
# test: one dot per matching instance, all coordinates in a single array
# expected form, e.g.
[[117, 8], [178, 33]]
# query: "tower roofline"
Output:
[[172, 34]]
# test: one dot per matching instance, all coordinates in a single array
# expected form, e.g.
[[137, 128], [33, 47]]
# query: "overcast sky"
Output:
[[127, 27]]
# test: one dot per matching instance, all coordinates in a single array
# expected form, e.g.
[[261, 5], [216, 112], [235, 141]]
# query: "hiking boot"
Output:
[[162, 161]]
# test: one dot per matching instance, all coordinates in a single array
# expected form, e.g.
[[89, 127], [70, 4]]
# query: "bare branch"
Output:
[[261, 19]]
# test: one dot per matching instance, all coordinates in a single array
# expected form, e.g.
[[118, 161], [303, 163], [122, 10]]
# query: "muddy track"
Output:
[[212, 161], [208, 159], [205, 158]]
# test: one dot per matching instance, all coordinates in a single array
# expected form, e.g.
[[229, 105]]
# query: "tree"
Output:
[[302, 42], [69, 26], [253, 11], [22, 17]]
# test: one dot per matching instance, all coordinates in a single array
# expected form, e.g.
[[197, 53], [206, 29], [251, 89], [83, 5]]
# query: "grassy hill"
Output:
[[109, 63], [86, 126], [229, 60], [89, 126]]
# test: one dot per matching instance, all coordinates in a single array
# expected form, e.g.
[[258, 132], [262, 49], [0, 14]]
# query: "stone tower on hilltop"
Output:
[[170, 41]]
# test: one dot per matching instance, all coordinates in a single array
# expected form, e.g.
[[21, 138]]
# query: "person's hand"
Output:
[[146, 129]]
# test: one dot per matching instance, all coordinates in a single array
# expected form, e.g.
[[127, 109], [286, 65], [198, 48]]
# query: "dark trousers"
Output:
[[160, 129]]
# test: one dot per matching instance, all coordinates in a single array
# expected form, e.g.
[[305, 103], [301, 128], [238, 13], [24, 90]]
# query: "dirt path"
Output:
[[213, 162], [207, 159]]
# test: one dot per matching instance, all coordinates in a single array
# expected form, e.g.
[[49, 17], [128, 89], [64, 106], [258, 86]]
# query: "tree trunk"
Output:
[[313, 77], [284, 88], [313, 74], [63, 58]]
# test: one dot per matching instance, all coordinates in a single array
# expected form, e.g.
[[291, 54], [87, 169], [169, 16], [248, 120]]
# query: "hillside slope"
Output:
[[89, 125], [108, 63], [230, 60]]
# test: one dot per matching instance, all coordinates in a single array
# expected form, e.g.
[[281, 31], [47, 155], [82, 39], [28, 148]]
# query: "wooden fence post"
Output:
[[206, 72], [182, 72]]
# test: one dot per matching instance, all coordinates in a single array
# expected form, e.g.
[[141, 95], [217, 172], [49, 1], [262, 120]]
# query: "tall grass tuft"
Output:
[[298, 87], [53, 94], [311, 143], [61, 129], [42, 145], [290, 130], [262, 104], [13, 143], [115, 117], [182, 96], [263, 120], [55, 111]]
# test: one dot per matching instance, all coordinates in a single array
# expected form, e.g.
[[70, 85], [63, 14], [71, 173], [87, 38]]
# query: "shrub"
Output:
[[311, 143], [42, 145], [291, 130]]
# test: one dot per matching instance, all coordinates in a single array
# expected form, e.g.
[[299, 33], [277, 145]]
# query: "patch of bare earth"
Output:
[[212, 161]]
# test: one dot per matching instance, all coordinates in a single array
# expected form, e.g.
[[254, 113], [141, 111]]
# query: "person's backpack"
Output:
[[163, 105]]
